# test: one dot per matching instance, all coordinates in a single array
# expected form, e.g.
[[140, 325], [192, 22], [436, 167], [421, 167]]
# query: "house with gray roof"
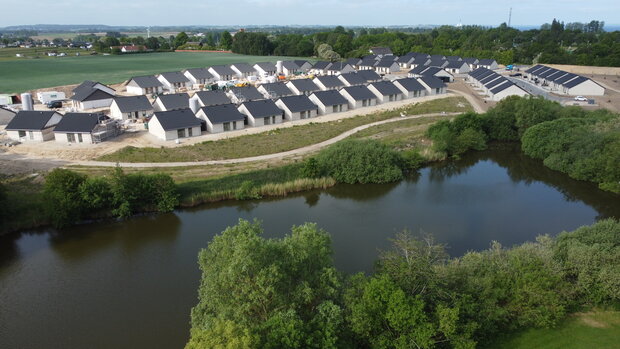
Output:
[[366, 64], [405, 61], [328, 82], [437, 72], [199, 76], [77, 127], [433, 85], [33, 126], [222, 72], [274, 90], [243, 70], [144, 85], [261, 113], [302, 86], [457, 67], [370, 75], [172, 101], [358, 96], [328, 102], [174, 81], [385, 91], [338, 68], [319, 67], [352, 79], [490, 64], [174, 125], [304, 66], [410, 87], [221, 118], [243, 94], [290, 68], [92, 95], [381, 51], [387, 66], [208, 98], [265, 69], [130, 108], [471, 62], [297, 107], [353, 62]]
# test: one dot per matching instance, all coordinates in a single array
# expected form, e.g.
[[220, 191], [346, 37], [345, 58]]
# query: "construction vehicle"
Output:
[[510, 67]]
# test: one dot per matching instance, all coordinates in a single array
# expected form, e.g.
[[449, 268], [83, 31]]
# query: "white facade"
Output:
[[86, 105], [116, 113], [294, 116], [355, 104], [394, 67], [381, 98], [513, 90], [194, 80], [260, 121], [220, 127], [173, 87], [328, 109], [262, 72], [134, 89], [409, 94], [49, 96], [73, 137], [586, 88], [158, 131], [46, 134]]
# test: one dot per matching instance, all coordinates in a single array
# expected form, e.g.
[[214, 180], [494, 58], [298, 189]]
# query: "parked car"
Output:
[[581, 99], [54, 104]]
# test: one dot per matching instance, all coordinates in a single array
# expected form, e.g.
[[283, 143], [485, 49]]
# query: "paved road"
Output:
[[537, 90]]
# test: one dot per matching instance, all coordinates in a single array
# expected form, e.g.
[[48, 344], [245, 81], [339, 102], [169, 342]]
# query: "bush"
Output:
[[412, 160], [311, 168], [456, 137], [96, 193], [247, 191], [139, 192], [360, 161], [63, 200]]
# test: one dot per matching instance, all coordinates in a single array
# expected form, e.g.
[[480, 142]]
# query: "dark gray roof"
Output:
[[433, 82], [408, 58], [132, 103], [244, 67], [222, 113], [502, 87], [247, 93], [262, 108], [216, 97], [574, 82], [304, 85], [174, 101], [410, 84], [486, 61], [337, 66], [437, 57], [455, 64], [368, 57], [359, 92], [290, 65], [437, 62], [381, 50], [385, 63], [267, 66], [547, 73], [418, 70], [367, 62], [78, 122], [353, 61], [353, 78], [223, 70], [301, 62], [495, 82], [565, 78], [146, 81], [470, 60], [200, 73], [454, 58], [386, 88], [330, 81], [174, 77], [321, 65], [90, 94], [431, 71], [30, 120], [278, 89], [298, 104], [532, 69], [479, 71], [489, 78], [369, 75], [330, 97], [88, 84], [176, 119]]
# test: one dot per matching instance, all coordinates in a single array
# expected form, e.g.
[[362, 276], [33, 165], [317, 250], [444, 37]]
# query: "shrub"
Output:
[[247, 191], [63, 201], [96, 193]]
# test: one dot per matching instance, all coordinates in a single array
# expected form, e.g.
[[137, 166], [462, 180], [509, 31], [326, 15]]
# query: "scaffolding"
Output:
[[106, 129]]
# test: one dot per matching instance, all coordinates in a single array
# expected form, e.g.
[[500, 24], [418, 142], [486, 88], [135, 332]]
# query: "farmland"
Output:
[[29, 74]]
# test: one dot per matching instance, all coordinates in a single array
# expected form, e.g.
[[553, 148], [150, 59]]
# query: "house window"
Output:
[[391, 98], [273, 119], [267, 121], [80, 138], [227, 126], [190, 132], [302, 114], [31, 134], [437, 90], [234, 125], [365, 103], [181, 133], [71, 137], [22, 134], [335, 108]]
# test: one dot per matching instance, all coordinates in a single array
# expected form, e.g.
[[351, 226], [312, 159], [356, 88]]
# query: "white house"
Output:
[[381, 51], [265, 69], [329, 102], [174, 81], [261, 113], [366, 64], [490, 64], [297, 107], [174, 124], [199, 76], [144, 85], [92, 95], [33, 126], [581, 86], [130, 108], [302, 86], [387, 66], [328, 82], [243, 70], [369, 75], [222, 72], [242, 94], [304, 66], [208, 98], [433, 85], [338, 68], [410, 87], [352, 79], [290, 68], [405, 61], [437, 72], [457, 67], [506, 89], [274, 90], [385, 91], [171, 102], [358, 96], [319, 67], [472, 62], [221, 118], [76, 128]]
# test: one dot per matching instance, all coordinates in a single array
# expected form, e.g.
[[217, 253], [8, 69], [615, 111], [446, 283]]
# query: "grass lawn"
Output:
[[21, 75], [593, 330], [278, 140]]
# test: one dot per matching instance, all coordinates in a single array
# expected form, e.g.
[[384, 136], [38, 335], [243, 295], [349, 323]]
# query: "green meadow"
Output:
[[21, 75]]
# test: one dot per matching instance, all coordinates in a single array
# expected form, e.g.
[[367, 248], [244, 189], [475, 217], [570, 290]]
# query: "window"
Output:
[[302, 114], [227, 126], [266, 121], [181, 133], [190, 132], [335, 108], [234, 125], [21, 134], [365, 103], [273, 119], [437, 90], [80, 138], [31, 134], [70, 137], [391, 98]]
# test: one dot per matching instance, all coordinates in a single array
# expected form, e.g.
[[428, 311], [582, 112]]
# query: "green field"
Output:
[[593, 330], [28, 74]]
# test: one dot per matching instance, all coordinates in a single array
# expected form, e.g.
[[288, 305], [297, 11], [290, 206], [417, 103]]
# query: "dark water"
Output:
[[132, 284]]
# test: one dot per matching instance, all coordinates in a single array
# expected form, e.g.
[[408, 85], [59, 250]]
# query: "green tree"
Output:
[[63, 201], [226, 40], [180, 40]]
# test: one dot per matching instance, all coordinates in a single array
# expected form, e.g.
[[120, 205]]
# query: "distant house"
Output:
[[505, 90], [381, 51], [221, 118], [243, 70], [174, 81], [222, 72], [302, 86], [437, 72], [490, 64], [387, 66], [338, 68], [244, 94], [265, 69], [261, 113], [297, 107], [199, 76], [274, 90], [328, 82], [304, 66], [319, 67], [174, 124], [144, 85], [433, 85], [170, 102], [76, 128], [290, 68], [457, 67], [419, 60], [405, 61], [410, 87], [386, 91], [33, 126], [453, 58], [367, 64], [130, 108], [209, 98], [358, 96], [329, 102], [6, 115], [471, 62], [353, 62], [92, 95], [369, 75], [352, 79], [133, 49]]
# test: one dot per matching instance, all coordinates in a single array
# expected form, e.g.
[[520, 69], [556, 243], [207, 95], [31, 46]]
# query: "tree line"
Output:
[[285, 293]]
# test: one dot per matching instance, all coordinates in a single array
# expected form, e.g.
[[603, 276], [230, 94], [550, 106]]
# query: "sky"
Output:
[[311, 12]]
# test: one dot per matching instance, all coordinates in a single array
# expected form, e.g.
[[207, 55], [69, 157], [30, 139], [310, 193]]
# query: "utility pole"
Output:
[[509, 17]]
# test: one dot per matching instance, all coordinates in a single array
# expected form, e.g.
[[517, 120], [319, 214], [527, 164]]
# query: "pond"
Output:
[[131, 284]]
